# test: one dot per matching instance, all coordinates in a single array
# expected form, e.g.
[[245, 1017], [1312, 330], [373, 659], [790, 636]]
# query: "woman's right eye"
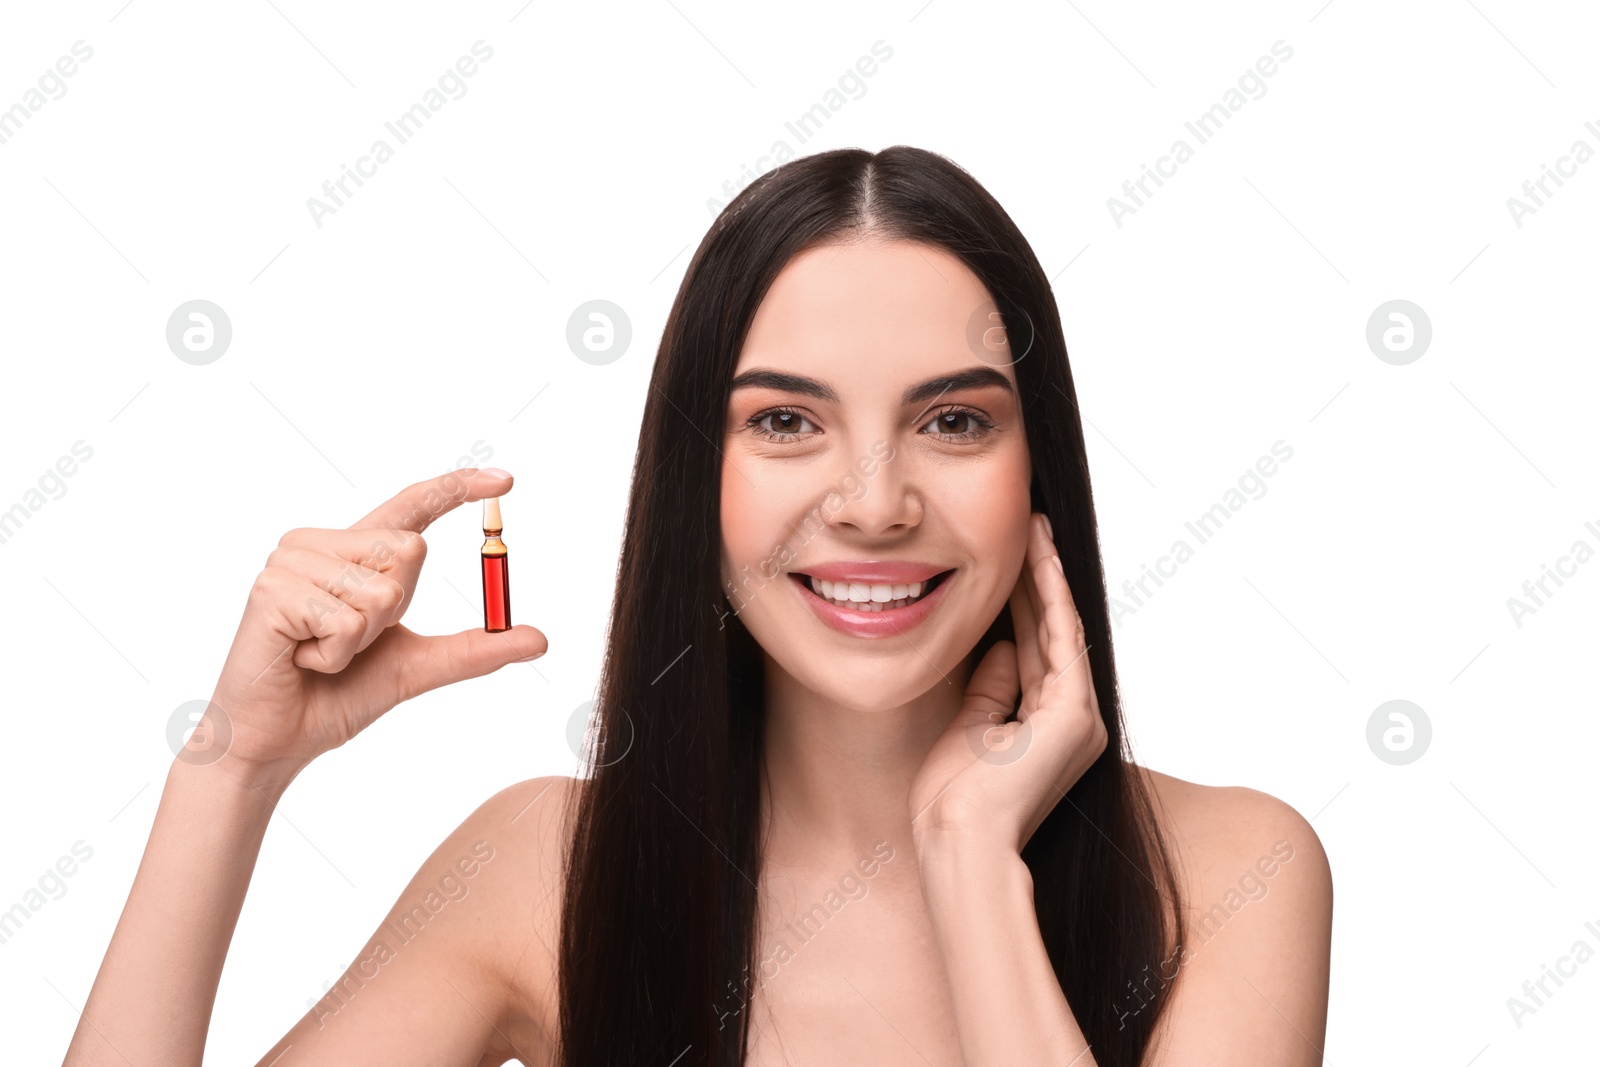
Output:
[[777, 424]]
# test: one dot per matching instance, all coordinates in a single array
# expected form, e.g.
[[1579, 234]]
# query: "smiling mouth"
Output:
[[870, 598]]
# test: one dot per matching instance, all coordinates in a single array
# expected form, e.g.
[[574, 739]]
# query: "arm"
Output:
[[1009, 1006], [1252, 978], [438, 982], [320, 654], [177, 923]]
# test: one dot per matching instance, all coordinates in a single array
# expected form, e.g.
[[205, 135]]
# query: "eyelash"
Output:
[[985, 424]]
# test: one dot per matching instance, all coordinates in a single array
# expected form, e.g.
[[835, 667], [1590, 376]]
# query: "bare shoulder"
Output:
[[1253, 954], [465, 957], [530, 818], [1215, 828], [513, 935]]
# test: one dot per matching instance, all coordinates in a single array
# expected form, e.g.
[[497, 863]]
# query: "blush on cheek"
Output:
[[995, 508], [735, 522], [741, 524]]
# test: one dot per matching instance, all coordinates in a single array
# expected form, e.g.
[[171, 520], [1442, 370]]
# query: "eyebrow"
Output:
[[932, 389]]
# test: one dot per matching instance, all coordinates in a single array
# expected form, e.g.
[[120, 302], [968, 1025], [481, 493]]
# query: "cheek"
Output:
[[746, 523], [735, 521], [991, 506]]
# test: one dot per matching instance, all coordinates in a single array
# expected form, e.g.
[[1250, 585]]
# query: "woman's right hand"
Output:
[[320, 652]]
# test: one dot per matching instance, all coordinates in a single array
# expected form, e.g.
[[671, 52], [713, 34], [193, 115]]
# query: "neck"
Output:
[[838, 778]]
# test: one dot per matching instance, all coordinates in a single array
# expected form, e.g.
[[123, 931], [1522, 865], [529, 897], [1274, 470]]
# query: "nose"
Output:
[[878, 496]]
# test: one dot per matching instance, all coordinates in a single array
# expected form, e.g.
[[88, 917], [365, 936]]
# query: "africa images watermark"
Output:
[[52, 486], [51, 886], [805, 926], [404, 127], [52, 82], [397, 932], [743, 589], [1566, 567], [1204, 527], [1252, 887], [1566, 967], [1566, 167], [809, 122], [1204, 127]]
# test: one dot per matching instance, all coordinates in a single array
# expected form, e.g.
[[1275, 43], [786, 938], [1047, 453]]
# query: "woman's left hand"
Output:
[[997, 780]]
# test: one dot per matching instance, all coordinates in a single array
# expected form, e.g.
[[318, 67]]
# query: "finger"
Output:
[[1063, 639], [1072, 731], [397, 552], [1045, 538], [992, 690], [416, 506], [422, 663], [379, 598], [1042, 569], [1040, 549], [1030, 664], [325, 631]]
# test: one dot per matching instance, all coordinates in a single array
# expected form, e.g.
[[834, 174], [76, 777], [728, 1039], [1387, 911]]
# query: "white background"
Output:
[[420, 320]]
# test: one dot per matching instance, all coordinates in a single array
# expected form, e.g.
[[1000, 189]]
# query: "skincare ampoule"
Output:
[[496, 576]]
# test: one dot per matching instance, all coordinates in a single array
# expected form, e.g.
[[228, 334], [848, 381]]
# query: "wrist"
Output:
[[250, 783], [965, 853], [961, 875]]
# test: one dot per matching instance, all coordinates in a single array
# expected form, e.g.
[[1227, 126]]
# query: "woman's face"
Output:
[[874, 439]]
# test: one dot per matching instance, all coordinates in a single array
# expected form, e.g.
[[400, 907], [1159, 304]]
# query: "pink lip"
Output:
[[872, 623], [870, 572]]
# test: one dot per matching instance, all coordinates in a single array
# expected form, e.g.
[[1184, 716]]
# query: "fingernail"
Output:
[[1057, 561], [1048, 532], [494, 472]]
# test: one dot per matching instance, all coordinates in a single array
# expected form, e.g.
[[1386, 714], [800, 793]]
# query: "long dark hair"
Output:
[[658, 949]]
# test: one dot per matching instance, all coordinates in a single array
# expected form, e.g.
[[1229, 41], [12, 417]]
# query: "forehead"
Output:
[[875, 313]]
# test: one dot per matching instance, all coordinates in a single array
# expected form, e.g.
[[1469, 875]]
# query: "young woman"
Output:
[[860, 791]]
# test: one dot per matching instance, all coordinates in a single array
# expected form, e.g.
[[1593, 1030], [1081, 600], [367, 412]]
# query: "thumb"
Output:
[[428, 662]]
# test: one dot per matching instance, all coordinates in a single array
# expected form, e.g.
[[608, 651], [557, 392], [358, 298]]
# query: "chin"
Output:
[[878, 689], [864, 676]]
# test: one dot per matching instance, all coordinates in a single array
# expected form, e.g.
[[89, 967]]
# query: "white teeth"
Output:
[[862, 596]]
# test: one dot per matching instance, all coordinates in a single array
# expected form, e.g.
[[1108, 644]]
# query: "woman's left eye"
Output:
[[787, 424], [970, 423]]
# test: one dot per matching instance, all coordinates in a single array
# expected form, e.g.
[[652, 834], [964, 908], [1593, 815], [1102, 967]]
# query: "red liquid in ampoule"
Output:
[[496, 594]]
